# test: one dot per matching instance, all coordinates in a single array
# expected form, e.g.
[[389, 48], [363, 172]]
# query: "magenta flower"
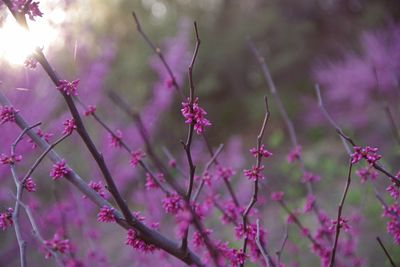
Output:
[[394, 191], [4, 159], [277, 196], [137, 243], [115, 139], [68, 88], [260, 152], [238, 257], [26, 7], [195, 114], [254, 173], [225, 173], [309, 177], [7, 114], [30, 62], [106, 214], [294, 154], [136, 157], [172, 203], [393, 226], [57, 244], [368, 153], [59, 170], [30, 185], [151, 183], [98, 187], [367, 173], [40, 133], [309, 203], [198, 239], [69, 126], [6, 219], [250, 232], [343, 223], [90, 111]]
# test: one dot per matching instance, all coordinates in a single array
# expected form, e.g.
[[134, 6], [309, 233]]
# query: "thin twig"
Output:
[[280, 251], [159, 53], [147, 234], [386, 252], [263, 250], [339, 216], [340, 132], [253, 199]]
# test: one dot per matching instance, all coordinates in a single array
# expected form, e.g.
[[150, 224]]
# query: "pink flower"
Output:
[[57, 244], [251, 231], [368, 153], [137, 243], [310, 178], [90, 111], [238, 257], [393, 226], [59, 170], [40, 133], [254, 174], [106, 214], [30, 185], [294, 154], [69, 126], [173, 203], [69, 88], [29, 8], [260, 152], [30, 62], [6, 219], [137, 156], [193, 113], [115, 139], [225, 173], [4, 159], [198, 239], [394, 191], [98, 187], [151, 183], [309, 203], [366, 173], [343, 223], [7, 114], [277, 196]]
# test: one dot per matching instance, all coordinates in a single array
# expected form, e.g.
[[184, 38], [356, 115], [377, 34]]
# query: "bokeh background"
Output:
[[350, 47]]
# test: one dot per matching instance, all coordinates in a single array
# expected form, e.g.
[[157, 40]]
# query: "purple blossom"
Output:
[[7, 114], [194, 114], [68, 88], [106, 214], [59, 170]]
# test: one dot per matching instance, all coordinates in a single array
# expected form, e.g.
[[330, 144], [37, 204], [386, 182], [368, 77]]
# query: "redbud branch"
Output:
[[348, 139], [144, 135], [339, 216], [147, 234], [226, 181], [206, 168], [36, 233], [124, 145], [158, 52], [262, 249], [386, 252], [288, 122], [258, 164], [393, 125], [19, 186], [297, 222], [280, 251]]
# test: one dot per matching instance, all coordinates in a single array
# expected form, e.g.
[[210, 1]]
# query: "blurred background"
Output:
[[350, 47]]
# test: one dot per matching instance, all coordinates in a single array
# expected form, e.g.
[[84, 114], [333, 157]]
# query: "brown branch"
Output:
[[253, 199], [158, 52], [280, 251], [267, 258], [147, 234], [339, 216], [386, 252], [340, 132]]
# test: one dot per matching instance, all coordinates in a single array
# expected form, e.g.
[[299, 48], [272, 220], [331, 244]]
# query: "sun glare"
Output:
[[17, 43]]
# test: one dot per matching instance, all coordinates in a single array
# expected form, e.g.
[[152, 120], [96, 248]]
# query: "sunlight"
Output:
[[17, 43]]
